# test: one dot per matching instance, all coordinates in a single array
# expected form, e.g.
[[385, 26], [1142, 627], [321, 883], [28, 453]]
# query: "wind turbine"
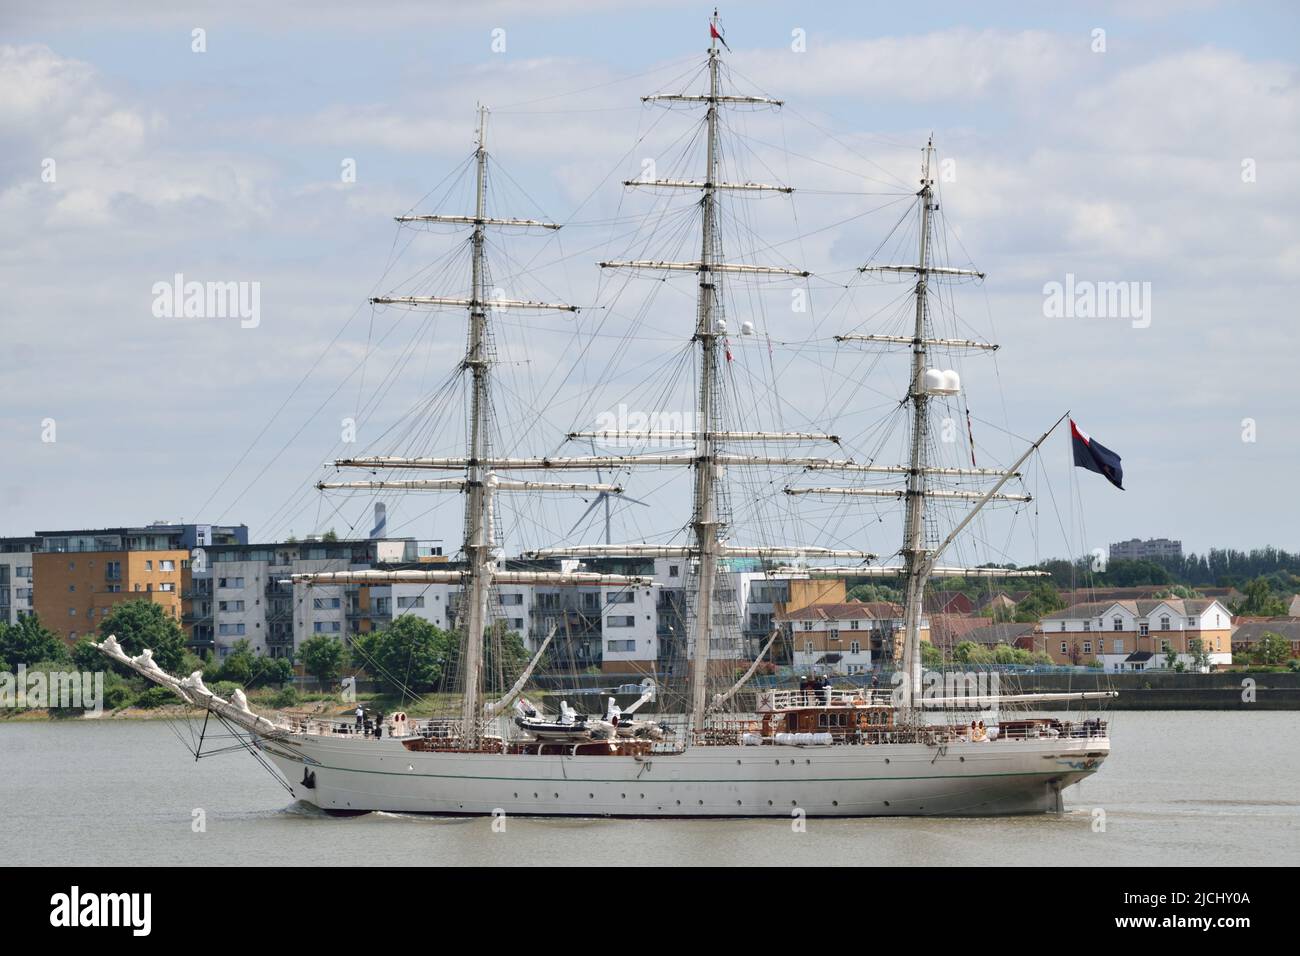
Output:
[[603, 498]]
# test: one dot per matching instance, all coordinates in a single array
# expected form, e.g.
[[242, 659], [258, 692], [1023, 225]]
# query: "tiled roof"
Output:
[[850, 611], [1185, 607], [1250, 630]]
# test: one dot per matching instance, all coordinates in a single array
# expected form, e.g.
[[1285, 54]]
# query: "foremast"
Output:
[[479, 482]]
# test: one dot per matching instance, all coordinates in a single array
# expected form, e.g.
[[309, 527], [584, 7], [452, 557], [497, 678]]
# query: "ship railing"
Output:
[[823, 697]]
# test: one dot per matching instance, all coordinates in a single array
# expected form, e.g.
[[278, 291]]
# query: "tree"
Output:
[[504, 659], [1171, 658], [931, 656], [322, 657], [1200, 653], [1259, 601], [1271, 649], [29, 641], [1041, 601], [139, 624], [240, 664], [409, 654], [330, 535], [277, 670]]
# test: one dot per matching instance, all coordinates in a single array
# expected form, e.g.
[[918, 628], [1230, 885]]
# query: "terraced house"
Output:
[[1136, 635]]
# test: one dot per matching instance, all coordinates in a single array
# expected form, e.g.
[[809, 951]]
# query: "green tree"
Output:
[[1259, 601], [931, 656], [139, 624], [240, 664], [330, 535], [1171, 658], [322, 657], [29, 641], [1200, 653], [409, 654], [504, 659], [277, 670], [1271, 649]]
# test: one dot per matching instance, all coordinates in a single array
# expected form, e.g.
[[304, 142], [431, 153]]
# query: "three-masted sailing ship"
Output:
[[819, 750]]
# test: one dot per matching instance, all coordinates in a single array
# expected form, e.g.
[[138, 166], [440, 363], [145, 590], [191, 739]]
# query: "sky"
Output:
[[1150, 142]]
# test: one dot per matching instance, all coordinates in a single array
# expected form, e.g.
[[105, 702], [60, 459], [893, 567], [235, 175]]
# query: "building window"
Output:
[[1064, 648], [835, 634], [510, 599], [417, 601], [230, 582], [622, 647], [1117, 646], [228, 630], [148, 565], [1191, 622], [319, 604], [855, 648], [807, 647], [619, 597], [621, 621], [1164, 646], [1117, 624], [230, 605], [167, 586], [807, 625], [1087, 647], [674, 571], [322, 627], [1144, 628], [854, 625], [1062, 625], [166, 565], [1164, 622], [1087, 625]]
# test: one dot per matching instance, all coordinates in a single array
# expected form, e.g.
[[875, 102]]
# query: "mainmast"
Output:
[[704, 513], [913, 552], [477, 544]]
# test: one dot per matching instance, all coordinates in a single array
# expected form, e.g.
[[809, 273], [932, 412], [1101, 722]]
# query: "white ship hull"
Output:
[[1001, 777]]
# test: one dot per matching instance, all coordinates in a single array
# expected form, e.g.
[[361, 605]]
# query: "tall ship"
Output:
[[702, 738]]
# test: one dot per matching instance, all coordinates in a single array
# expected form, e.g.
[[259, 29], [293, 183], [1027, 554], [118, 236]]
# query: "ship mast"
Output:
[[913, 552], [479, 481], [477, 545], [704, 517]]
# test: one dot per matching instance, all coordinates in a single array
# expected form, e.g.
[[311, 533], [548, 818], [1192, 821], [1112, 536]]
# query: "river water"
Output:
[[1180, 787]]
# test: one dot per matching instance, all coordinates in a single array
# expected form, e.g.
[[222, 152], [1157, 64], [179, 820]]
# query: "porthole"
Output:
[[835, 803]]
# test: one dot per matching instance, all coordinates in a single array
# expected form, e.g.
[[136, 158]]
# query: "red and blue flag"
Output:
[[1093, 455]]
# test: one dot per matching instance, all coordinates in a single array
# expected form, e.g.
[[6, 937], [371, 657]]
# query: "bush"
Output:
[[155, 697], [119, 695], [285, 698]]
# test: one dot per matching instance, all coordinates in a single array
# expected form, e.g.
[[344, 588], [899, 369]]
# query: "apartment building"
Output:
[[1135, 549], [78, 588], [16, 594], [1135, 635]]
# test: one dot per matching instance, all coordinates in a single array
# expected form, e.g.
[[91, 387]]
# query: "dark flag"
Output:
[[1093, 455], [717, 34]]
